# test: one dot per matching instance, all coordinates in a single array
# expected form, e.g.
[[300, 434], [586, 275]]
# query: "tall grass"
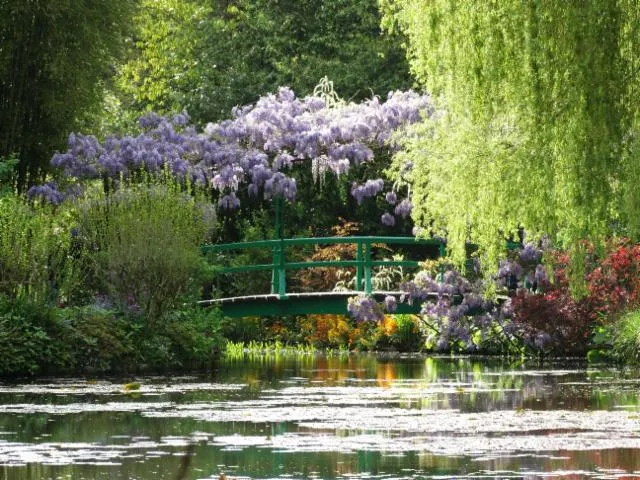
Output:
[[34, 247], [239, 349]]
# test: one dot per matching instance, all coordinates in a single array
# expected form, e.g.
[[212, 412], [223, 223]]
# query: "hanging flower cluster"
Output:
[[456, 315], [256, 148]]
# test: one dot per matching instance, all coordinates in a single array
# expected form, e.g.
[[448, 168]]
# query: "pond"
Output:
[[335, 417]]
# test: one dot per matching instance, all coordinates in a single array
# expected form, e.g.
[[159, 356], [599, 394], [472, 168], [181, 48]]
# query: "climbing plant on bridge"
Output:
[[253, 154]]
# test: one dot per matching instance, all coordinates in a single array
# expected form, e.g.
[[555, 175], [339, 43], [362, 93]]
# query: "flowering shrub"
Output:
[[539, 315], [399, 332], [553, 320], [326, 330], [556, 322]]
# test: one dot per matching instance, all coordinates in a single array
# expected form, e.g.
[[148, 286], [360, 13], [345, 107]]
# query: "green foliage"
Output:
[[407, 337], [141, 246], [27, 332], [36, 340], [626, 338], [195, 334], [7, 174], [100, 340], [34, 245], [208, 57], [541, 128], [54, 62]]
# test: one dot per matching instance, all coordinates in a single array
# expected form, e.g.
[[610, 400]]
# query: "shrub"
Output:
[[626, 338], [556, 322], [326, 330], [30, 339], [141, 246], [614, 284], [196, 335], [243, 329], [33, 251], [406, 336], [551, 323], [101, 340]]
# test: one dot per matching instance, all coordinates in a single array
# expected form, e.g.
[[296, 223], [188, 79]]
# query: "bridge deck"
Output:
[[298, 303]]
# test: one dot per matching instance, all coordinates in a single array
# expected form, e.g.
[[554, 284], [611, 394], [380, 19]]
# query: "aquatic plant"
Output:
[[237, 350]]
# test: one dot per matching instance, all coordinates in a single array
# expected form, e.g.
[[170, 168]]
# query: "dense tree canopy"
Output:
[[54, 60], [207, 57], [541, 129]]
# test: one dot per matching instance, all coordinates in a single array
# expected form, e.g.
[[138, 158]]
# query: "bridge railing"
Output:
[[363, 264]]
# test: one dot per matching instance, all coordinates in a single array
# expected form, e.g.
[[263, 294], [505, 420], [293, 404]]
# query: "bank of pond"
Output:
[[38, 340]]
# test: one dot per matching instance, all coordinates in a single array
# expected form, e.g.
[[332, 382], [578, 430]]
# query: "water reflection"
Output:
[[337, 416]]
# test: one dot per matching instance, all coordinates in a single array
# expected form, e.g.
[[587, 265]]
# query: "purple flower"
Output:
[[48, 193], [229, 202], [530, 253], [403, 209], [180, 119], [150, 120], [388, 220], [369, 189], [279, 130], [364, 308], [391, 198], [390, 303], [540, 275]]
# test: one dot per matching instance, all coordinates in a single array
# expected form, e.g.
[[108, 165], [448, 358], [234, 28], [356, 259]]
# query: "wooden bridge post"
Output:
[[274, 273], [282, 278], [368, 287], [278, 251], [359, 266]]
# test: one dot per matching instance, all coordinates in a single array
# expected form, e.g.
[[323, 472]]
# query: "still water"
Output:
[[332, 417]]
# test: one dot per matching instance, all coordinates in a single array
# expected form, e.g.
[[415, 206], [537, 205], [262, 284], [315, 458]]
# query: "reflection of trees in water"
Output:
[[465, 384]]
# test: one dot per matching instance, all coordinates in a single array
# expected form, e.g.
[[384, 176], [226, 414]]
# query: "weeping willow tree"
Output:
[[540, 123]]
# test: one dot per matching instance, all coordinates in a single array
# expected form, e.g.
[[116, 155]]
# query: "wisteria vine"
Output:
[[254, 150], [456, 315]]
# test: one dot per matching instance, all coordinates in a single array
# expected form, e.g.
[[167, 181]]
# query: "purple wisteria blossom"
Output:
[[403, 209], [391, 198], [229, 202], [390, 303], [255, 149], [48, 193], [364, 308], [388, 219], [457, 316], [367, 190], [530, 253], [508, 274]]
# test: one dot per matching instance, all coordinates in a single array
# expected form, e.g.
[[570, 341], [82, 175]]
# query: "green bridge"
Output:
[[282, 302]]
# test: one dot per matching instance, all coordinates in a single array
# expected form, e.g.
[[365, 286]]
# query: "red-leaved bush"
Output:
[[555, 322], [614, 285], [552, 322]]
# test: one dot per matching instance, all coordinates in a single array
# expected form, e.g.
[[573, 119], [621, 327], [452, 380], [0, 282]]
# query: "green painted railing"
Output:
[[363, 263]]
